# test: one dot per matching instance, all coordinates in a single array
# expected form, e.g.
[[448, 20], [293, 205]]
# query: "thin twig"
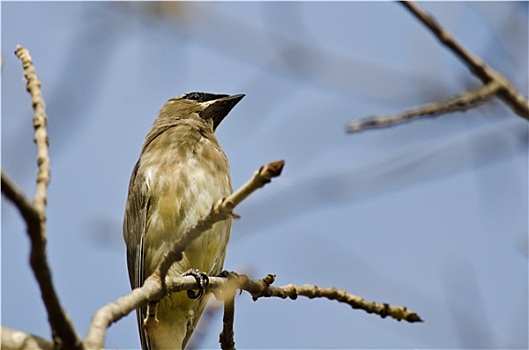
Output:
[[41, 134], [227, 293], [221, 210], [507, 92], [263, 288], [226, 337], [63, 332], [458, 103]]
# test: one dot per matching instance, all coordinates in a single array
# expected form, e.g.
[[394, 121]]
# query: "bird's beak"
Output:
[[218, 109]]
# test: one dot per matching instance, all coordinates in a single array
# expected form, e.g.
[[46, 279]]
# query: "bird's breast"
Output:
[[184, 177]]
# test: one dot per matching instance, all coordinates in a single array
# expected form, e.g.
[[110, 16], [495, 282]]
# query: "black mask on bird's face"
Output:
[[217, 107]]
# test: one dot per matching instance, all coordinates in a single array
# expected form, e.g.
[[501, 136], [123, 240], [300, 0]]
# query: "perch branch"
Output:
[[263, 288], [152, 290]]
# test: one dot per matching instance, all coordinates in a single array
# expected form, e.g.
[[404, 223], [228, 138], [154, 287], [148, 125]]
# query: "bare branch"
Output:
[[260, 178], [63, 332], [263, 288], [19, 199], [41, 134], [221, 210], [150, 291], [486, 74], [494, 84], [224, 288], [458, 103], [17, 340], [226, 293], [226, 336], [114, 311]]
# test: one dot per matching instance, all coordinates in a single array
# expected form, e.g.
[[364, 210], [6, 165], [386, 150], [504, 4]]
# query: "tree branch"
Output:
[[17, 340], [41, 134], [19, 199], [34, 214], [227, 293], [226, 336], [506, 92], [494, 85], [224, 288], [458, 103], [263, 288]]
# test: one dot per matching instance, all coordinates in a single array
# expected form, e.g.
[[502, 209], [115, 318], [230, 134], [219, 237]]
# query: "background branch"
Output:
[[458, 103], [494, 84], [480, 69]]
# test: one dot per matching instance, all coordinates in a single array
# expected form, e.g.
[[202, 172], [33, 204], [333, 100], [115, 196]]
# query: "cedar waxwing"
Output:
[[181, 173]]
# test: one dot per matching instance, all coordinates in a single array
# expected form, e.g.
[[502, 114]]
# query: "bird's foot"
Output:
[[202, 281]]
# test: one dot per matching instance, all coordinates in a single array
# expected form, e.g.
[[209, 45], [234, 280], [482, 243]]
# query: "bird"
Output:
[[181, 172]]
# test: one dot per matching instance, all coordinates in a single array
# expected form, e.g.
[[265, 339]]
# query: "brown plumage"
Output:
[[181, 172]]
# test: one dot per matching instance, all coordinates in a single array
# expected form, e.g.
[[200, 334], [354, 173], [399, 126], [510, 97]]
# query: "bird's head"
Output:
[[211, 108]]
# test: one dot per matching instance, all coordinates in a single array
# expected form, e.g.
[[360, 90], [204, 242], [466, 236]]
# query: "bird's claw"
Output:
[[202, 281]]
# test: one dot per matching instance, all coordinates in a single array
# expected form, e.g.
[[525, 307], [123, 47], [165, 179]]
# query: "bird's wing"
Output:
[[137, 213], [134, 230]]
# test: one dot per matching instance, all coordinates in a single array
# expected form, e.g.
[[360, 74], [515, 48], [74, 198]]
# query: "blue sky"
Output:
[[431, 215]]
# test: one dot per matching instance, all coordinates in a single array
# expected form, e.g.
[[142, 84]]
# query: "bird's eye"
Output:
[[202, 96], [193, 96]]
